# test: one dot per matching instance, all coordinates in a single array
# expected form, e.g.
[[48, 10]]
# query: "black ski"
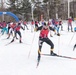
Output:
[[38, 61], [61, 56], [37, 64], [10, 42], [17, 43]]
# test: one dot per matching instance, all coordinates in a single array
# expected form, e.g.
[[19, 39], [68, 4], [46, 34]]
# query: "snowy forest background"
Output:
[[47, 8]]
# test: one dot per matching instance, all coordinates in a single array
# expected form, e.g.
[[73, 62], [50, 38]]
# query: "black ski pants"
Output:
[[47, 40]]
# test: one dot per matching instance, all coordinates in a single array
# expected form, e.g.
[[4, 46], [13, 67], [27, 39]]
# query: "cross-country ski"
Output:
[[68, 57]]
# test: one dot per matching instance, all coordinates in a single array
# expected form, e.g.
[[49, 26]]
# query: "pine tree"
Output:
[[21, 7]]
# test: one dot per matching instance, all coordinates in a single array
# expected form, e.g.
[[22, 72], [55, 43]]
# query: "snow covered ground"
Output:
[[21, 59]]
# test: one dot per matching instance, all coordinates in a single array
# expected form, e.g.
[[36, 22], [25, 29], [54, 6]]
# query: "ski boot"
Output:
[[53, 54], [12, 40], [58, 34], [20, 41], [7, 37], [16, 38], [74, 47]]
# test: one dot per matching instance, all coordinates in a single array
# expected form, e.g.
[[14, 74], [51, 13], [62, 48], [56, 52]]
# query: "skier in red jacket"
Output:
[[17, 31], [70, 24], [44, 38]]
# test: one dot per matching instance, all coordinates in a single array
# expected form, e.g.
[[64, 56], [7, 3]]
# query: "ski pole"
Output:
[[58, 44], [31, 45], [71, 39]]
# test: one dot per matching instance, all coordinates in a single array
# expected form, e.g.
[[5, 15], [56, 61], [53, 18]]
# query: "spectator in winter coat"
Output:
[[70, 24], [25, 24]]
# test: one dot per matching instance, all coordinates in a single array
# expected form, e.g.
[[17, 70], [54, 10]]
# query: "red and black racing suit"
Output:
[[44, 38], [17, 31]]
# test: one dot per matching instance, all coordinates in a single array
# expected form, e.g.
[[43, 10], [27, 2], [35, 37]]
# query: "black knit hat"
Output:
[[19, 23], [45, 24]]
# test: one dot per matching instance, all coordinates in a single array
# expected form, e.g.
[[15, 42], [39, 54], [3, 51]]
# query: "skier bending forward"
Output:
[[44, 30]]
